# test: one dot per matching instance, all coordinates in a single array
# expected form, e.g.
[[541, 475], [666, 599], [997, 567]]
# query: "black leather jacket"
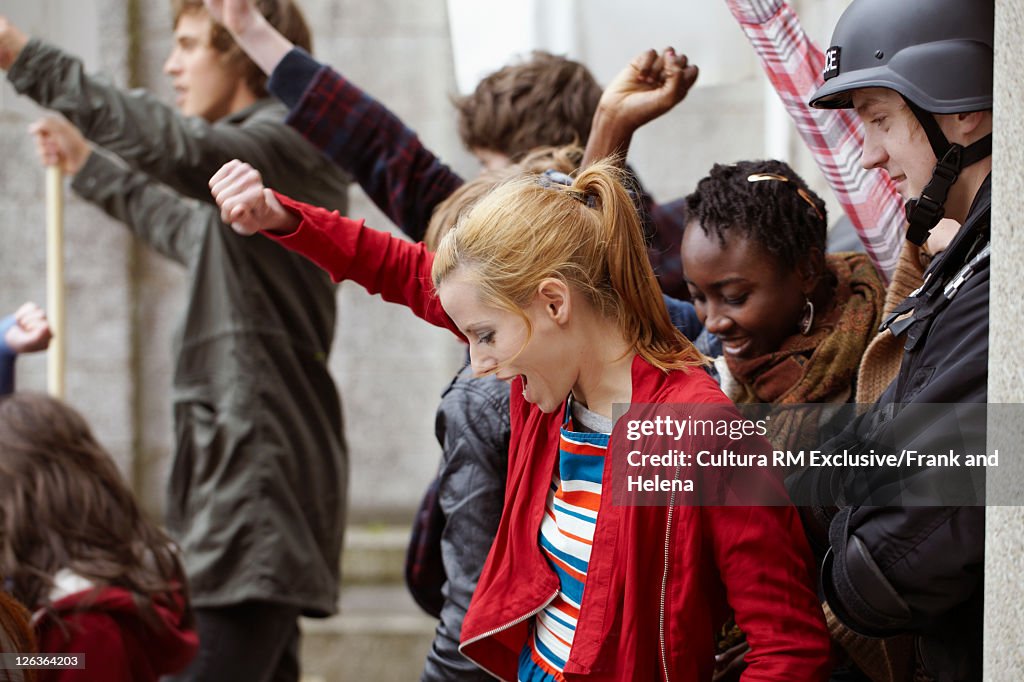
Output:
[[472, 426], [893, 569]]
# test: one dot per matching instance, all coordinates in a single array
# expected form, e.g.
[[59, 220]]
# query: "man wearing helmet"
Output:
[[918, 73]]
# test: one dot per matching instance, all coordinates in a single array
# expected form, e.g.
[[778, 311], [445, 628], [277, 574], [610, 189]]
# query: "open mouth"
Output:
[[736, 346]]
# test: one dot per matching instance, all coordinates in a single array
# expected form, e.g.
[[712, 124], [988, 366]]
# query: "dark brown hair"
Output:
[[546, 101], [64, 505], [284, 15]]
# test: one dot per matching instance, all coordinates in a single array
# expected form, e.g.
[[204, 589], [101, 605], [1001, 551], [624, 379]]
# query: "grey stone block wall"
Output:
[[1004, 551]]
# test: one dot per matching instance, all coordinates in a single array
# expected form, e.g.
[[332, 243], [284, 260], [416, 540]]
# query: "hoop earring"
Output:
[[807, 321]]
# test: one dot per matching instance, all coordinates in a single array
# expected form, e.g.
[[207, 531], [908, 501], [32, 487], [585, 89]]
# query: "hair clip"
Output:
[[553, 179], [761, 177]]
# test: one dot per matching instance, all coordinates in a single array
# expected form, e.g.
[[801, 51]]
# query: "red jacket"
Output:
[[119, 646], [698, 561]]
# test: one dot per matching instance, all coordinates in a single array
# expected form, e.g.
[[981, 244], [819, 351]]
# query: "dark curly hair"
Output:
[[783, 216]]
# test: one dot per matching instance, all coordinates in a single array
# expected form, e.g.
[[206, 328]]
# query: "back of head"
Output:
[[284, 15], [448, 212], [587, 234], [64, 505], [546, 101], [935, 53], [764, 201]]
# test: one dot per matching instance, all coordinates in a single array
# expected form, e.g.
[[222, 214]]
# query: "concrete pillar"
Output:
[[1004, 551]]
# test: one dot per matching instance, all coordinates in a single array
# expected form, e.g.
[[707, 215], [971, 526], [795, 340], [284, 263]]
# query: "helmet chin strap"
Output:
[[925, 212]]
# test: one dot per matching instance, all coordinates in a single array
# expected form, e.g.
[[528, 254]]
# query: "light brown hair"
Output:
[[64, 505], [284, 15], [586, 234], [546, 101], [447, 213]]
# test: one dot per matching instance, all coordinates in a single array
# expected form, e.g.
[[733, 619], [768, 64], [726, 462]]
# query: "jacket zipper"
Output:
[[502, 628], [664, 582]]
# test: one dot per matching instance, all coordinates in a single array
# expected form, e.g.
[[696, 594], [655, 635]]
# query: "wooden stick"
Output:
[[55, 280]]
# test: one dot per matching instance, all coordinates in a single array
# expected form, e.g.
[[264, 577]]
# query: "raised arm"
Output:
[[649, 86], [181, 151], [168, 222], [793, 64], [388, 160], [394, 268]]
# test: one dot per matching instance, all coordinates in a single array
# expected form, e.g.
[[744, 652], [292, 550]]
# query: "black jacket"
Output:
[[472, 426], [893, 562]]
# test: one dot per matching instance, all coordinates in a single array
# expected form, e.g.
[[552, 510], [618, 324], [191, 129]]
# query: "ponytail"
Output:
[[585, 232], [638, 306]]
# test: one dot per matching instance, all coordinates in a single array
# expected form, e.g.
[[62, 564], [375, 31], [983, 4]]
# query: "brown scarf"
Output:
[[822, 366], [882, 358]]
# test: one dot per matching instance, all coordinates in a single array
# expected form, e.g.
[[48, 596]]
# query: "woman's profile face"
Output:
[[742, 293], [501, 343]]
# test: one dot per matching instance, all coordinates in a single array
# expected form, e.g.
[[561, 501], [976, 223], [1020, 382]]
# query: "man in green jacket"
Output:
[[257, 489]]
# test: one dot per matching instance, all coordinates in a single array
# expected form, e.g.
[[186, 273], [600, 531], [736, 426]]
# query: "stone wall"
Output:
[[1004, 550]]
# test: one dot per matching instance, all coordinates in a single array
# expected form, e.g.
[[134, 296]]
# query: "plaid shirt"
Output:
[[401, 176], [794, 65]]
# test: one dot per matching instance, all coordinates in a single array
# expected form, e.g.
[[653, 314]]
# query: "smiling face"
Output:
[[205, 83], [742, 293], [894, 140], [501, 343]]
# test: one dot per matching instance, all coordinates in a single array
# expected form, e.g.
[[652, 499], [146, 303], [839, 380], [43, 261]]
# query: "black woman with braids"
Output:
[[793, 322]]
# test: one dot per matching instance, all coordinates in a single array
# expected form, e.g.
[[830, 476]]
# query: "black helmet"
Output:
[[937, 54]]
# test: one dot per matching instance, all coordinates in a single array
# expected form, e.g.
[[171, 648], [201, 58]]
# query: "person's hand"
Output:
[[730, 663], [30, 331], [252, 32], [59, 143], [12, 42], [648, 87], [246, 204], [237, 16]]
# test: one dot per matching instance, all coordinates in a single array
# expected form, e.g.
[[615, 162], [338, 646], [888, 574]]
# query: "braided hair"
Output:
[[780, 213]]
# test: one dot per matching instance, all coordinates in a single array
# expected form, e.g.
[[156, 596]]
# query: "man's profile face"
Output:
[[894, 140], [205, 84]]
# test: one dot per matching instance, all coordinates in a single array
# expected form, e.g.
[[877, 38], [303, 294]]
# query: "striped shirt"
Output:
[[566, 537]]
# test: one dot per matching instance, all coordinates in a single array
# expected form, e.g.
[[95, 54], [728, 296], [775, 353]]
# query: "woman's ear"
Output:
[[555, 297]]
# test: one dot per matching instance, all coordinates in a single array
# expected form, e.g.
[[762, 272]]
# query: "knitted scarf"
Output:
[[822, 366], [884, 354]]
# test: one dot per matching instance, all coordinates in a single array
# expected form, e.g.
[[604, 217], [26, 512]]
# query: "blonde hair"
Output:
[[586, 234], [446, 215]]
